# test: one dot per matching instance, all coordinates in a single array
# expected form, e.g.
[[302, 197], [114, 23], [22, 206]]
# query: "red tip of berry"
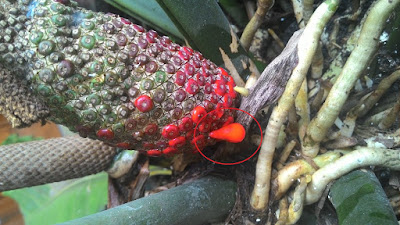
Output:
[[233, 132], [144, 103]]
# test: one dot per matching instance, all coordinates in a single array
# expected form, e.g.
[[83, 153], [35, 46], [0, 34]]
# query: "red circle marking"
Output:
[[232, 163]]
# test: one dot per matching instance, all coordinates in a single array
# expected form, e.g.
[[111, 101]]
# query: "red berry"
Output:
[[220, 87], [207, 88], [200, 141], [200, 79], [144, 103], [192, 87], [198, 56], [154, 152], [186, 124], [185, 53], [180, 78], [124, 145], [214, 98], [223, 72], [177, 142], [161, 144], [125, 21], [227, 101], [151, 36], [204, 126], [208, 105], [231, 91], [170, 131], [151, 129], [138, 28], [165, 41], [170, 151], [189, 69], [188, 50], [105, 134], [197, 113], [148, 145]]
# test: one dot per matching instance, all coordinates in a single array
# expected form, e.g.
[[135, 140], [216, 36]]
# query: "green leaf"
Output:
[[148, 12], [62, 201], [358, 198], [203, 201], [236, 11]]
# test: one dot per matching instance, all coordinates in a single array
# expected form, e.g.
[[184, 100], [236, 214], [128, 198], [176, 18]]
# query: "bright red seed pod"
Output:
[[233, 132]]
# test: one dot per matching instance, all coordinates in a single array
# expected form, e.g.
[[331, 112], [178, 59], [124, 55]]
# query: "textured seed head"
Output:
[[110, 79]]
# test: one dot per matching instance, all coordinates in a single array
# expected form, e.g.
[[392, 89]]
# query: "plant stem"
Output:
[[255, 22], [363, 107], [358, 158], [294, 170], [297, 204], [306, 48]]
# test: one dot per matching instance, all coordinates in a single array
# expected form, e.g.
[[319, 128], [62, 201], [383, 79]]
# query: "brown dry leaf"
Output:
[[232, 70], [235, 43]]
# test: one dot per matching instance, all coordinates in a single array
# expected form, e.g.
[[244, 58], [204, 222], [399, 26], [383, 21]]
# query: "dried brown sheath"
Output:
[[272, 82]]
